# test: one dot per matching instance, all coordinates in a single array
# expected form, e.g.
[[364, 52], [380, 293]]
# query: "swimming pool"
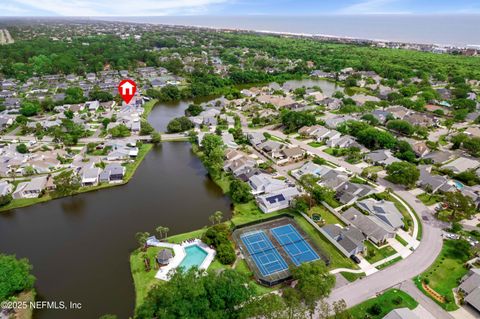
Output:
[[195, 256], [458, 185]]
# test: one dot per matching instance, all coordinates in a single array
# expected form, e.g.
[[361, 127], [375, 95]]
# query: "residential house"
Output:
[[277, 200], [309, 130], [386, 211], [310, 168], [324, 135], [293, 154], [473, 131], [349, 240], [337, 120], [381, 157], [438, 157], [343, 142], [375, 230], [380, 115], [31, 189], [272, 149], [348, 192], [331, 103], [265, 183], [462, 164], [473, 192], [113, 173], [228, 140], [445, 94], [420, 119], [90, 176], [470, 287], [12, 103], [91, 77], [401, 313], [5, 121], [433, 183], [238, 163], [256, 138], [420, 148], [92, 106], [5, 188], [398, 112], [361, 99], [278, 101]]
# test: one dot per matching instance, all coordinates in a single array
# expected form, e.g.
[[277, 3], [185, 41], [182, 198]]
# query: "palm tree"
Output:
[[162, 231], [216, 217], [142, 238], [429, 190]]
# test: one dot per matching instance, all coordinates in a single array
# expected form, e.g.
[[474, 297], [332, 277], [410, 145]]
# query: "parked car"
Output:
[[355, 259]]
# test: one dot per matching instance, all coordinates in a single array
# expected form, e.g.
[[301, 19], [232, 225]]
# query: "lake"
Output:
[[79, 246]]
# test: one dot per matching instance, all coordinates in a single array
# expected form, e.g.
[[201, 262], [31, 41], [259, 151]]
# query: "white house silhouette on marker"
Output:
[[127, 88]]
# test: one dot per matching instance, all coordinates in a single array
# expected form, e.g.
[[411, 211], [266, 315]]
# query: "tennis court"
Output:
[[294, 244], [265, 256]]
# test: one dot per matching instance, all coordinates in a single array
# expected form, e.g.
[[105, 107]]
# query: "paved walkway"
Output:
[[179, 254], [465, 312], [402, 251], [427, 303], [164, 272]]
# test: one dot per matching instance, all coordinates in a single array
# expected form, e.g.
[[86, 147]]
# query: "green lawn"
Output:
[[337, 152], [373, 169], [357, 180], [428, 199], [444, 274], [148, 107], [315, 144], [389, 300], [374, 254], [176, 239], [389, 263], [325, 214], [351, 276], [132, 167], [401, 240], [337, 259], [142, 279], [242, 267]]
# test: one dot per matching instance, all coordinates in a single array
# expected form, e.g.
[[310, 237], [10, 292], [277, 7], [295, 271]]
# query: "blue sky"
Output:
[[232, 7]]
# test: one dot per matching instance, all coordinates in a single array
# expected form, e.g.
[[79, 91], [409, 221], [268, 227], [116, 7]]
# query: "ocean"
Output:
[[447, 30]]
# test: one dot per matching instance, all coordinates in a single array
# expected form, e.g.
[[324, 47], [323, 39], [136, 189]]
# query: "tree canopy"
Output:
[[195, 294], [15, 276], [403, 173]]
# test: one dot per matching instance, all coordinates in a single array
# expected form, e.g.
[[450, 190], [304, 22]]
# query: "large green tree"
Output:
[[403, 173], [196, 294], [314, 282], [240, 191], [15, 276], [462, 206], [66, 183]]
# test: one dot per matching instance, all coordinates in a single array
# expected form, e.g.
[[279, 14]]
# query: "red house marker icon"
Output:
[[127, 89]]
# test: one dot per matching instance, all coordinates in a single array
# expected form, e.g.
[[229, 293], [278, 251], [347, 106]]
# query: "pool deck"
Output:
[[179, 250]]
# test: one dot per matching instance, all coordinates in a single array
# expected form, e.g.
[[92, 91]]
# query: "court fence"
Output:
[[265, 227]]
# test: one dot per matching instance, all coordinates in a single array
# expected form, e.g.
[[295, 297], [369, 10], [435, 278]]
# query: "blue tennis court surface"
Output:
[[294, 244], [266, 257]]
